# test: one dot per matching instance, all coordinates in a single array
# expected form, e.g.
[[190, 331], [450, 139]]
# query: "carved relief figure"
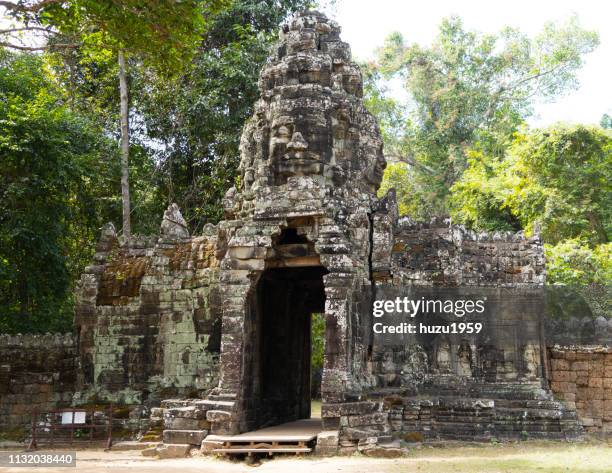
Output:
[[464, 359], [443, 357], [530, 360]]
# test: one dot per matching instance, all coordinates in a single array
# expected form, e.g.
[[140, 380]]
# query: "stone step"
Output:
[[174, 450], [513, 427], [462, 425], [177, 403], [134, 445], [191, 437], [498, 391], [211, 404], [188, 412], [464, 418], [519, 413], [221, 397], [185, 423], [529, 404]]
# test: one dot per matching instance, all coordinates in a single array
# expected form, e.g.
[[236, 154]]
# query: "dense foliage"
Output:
[[168, 29], [58, 183], [197, 118], [466, 152], [471, 90], [559, 179]]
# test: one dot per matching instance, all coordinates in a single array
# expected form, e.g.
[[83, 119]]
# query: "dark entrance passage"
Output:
[[286, 299]]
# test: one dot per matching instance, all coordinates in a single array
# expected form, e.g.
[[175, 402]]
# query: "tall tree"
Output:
[[160, 32], [475, 90], [125, 144], [56, 170]]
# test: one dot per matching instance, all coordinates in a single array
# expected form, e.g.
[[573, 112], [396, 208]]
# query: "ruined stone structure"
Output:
[[145, 316], [582, 378], [221, 321], [36, 372]]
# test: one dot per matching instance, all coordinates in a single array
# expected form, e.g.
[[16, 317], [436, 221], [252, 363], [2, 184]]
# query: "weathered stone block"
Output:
[[580, 366], [192, 437], [378, 418], [560, 365], [352, 433], [218, 416], [595, 382], [349, 408], [209, 445], [328, 438], [173, 450], [149, 452]]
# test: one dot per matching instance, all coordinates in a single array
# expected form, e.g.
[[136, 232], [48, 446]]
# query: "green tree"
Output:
[[579, 274], [473, 91], [392, 116], [411, 200], [573, 262], [160, 32], [556, 178], [56, 167], [478, 198]]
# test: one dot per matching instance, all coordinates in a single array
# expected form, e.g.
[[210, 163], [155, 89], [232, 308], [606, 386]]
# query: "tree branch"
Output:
[[25, 28], [28, 9], [38, 48], [413, 162], [529, 78]]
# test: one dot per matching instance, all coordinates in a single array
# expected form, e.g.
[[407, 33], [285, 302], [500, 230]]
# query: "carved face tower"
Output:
[[310, 121], [299, 225]]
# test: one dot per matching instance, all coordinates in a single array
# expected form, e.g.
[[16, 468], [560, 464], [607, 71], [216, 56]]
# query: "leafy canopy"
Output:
[[197, 116], [558, 178], [475, 90], [167, 29], [56, 165]]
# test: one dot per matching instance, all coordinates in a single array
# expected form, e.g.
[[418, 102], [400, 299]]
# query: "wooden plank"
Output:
[[263, 446], [260, 450], [263, 438]]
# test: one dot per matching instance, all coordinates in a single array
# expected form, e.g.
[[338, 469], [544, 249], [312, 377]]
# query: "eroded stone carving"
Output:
[[173, 224]]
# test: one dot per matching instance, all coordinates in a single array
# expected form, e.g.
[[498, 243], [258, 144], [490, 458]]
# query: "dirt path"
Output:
[[524, 457]]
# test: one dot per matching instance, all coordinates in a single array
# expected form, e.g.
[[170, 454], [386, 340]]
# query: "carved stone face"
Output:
[[300, 144], [311, 136], [374, 173]]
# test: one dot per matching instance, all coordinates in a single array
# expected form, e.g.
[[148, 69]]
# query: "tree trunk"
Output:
[[125, 145]]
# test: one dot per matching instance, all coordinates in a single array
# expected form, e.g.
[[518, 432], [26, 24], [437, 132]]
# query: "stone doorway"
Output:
[[280, 351]]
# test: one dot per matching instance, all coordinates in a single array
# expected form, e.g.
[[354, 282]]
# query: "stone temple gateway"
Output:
[[220, 322]]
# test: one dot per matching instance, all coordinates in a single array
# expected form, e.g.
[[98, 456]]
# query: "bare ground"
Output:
[[531, 457]]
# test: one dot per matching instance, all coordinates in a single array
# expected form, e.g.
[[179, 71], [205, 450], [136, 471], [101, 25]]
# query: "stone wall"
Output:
[[36, 372], [145, 316], [582, 379], [438, 253], [438, 260]]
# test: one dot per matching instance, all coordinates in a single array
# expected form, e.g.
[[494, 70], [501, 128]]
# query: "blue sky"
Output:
[[366, 23]]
